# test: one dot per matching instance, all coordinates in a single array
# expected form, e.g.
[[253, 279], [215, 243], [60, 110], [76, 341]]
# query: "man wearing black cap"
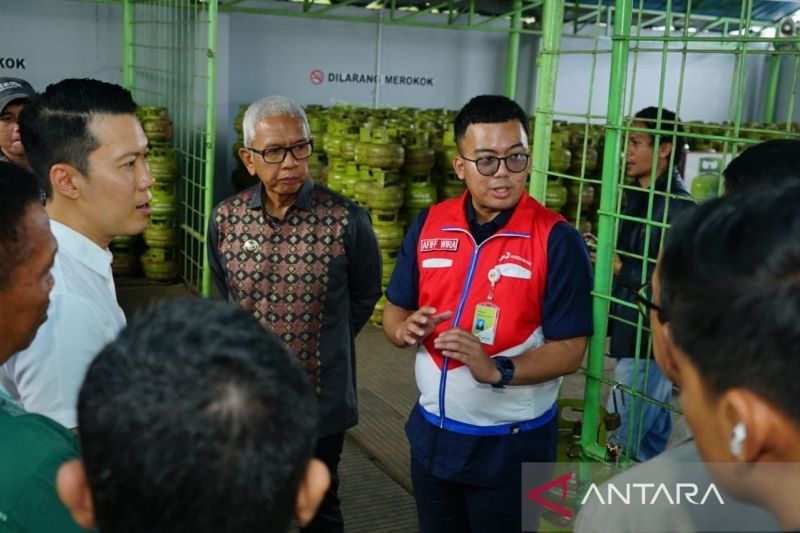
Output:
[[14, 95]]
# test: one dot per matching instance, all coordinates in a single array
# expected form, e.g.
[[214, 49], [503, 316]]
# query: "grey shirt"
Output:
[[679, 464]]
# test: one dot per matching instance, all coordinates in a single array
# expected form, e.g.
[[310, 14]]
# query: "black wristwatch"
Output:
[[506, 367]]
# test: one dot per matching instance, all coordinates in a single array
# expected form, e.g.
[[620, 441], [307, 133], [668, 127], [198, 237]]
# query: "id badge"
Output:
[[484, 325]]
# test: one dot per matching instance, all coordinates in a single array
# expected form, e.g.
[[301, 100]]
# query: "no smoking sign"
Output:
[[317, 76]]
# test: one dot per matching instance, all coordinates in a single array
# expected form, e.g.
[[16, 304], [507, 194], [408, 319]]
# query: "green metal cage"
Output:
[[631, 35], [169, 58]]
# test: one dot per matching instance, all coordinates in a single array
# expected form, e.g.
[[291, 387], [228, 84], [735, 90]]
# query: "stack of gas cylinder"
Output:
[[384, 160], [159, 261]]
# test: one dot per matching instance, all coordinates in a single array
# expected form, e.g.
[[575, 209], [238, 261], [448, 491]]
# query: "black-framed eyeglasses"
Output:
[[644, 303], [489, 165], [277, 155]]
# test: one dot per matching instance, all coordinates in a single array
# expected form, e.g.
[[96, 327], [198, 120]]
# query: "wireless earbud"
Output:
[[738, 438]]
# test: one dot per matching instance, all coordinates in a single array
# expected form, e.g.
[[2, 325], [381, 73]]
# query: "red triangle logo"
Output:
[[536, 494]]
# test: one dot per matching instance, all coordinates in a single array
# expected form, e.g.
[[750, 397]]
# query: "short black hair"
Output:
[[55, 127], [489, 109], [669, 121], [195, 419], [730, 284], [764, 164], [18, 191]]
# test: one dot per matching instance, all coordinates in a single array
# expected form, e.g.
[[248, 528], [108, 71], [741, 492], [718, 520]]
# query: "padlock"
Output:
[[612, 423]]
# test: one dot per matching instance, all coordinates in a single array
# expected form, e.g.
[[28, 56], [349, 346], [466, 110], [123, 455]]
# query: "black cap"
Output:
[[14, 89]]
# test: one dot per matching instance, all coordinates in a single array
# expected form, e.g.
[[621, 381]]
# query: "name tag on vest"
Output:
[[438, 245]]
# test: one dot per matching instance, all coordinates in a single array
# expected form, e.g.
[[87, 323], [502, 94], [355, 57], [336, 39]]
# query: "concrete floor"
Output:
[[376, 486]]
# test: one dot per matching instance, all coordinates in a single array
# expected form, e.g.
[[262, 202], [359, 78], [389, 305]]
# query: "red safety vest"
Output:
[[454, 275]]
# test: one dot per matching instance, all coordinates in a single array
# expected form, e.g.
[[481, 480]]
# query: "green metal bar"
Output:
[[608, 197], [489, 20], [633, 392], [128, 51], [552, 20], [210, 140], [772, 88], [589, 16], [657, 18], [369, 18], [700, 39], [415, 14], [331, 7], [793, 94], [512, 63]]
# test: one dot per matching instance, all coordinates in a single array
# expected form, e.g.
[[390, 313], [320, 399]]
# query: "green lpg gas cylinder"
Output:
[[556, 196], [389, 260], [451, 187], [156, 124], [385, 198], [420, 158], [160, 264], [377, 313], [165, 201], [449, 150], [560, 156], [420, 193], [387, 229], [338, 169], [161, 232], [384, 151], [163, 164]]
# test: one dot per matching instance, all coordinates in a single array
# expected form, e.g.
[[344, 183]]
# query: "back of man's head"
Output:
[[197, 420], [18, 192], [764, 165], [729, 282], [670, 122], [488, 109], [55, 127]]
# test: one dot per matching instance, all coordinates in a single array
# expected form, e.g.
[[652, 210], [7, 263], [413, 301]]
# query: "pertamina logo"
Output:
[[438, 245], [508, 256]]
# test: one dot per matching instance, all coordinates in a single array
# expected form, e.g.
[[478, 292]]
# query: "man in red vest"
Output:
[[494, 290]]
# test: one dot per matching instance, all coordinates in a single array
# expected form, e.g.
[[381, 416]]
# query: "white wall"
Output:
[[706, 89], [61, 40], [276, 55]]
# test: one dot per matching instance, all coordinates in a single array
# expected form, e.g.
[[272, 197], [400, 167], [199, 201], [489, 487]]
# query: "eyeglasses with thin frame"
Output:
[[489, 165], [645, 305], [277, 155]]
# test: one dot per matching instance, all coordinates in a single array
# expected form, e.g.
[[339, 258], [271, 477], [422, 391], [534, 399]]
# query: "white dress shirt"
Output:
[[83, 316]]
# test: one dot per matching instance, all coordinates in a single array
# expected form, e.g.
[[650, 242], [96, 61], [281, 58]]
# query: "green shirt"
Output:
[[32, 447]]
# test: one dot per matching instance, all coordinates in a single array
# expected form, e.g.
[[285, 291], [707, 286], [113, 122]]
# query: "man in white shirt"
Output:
[[86, 145]]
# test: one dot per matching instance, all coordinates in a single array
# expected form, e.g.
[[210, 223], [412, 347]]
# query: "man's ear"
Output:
[[761, 425], [73, 489], [247, 160], [665, 149], [311, 491], [66, 180], [458, 167], [666, 361]]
